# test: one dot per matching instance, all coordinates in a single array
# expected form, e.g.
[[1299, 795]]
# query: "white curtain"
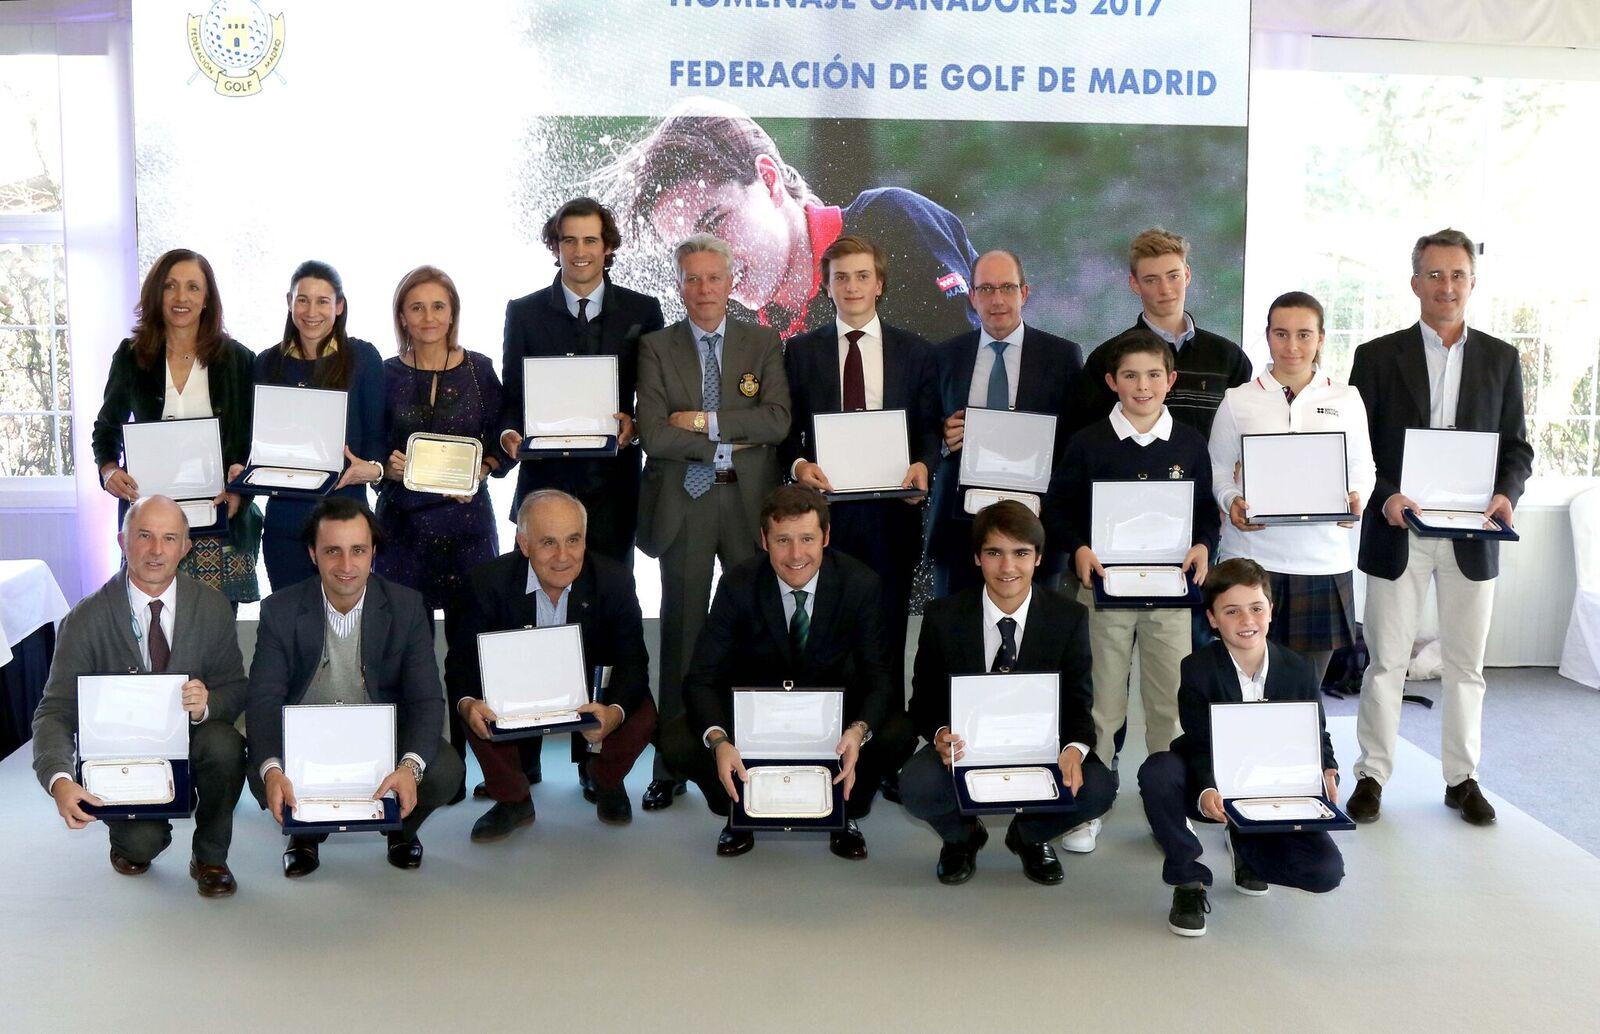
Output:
[[1536, 23]]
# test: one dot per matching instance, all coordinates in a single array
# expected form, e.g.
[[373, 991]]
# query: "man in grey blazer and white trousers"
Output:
[[151, 618], [713, 406]]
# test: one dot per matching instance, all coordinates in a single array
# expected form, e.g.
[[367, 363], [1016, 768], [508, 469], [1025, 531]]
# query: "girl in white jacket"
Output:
[[1312, 587]]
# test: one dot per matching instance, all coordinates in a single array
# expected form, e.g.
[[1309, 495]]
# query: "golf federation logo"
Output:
[[236, 44]]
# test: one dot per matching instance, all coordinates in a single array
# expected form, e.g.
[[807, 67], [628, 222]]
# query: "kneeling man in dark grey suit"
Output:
[[349, 636], [151, 618]]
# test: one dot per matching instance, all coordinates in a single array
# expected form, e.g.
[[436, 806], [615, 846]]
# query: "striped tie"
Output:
[[698, 479]]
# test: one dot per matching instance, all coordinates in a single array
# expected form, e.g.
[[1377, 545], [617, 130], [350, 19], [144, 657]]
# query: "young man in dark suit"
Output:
[[858, 363], [582, 313], [551, 578], [1008, 623], [349, 636], [152, 618], [1177, 785], [1436, 373], [1002, 365], [799, 613]]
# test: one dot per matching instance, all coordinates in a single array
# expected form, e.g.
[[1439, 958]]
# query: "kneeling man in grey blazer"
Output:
[[349, 636], [151, 618]]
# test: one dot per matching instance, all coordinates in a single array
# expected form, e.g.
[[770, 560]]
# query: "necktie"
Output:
[[583, 314], [800, 624], [160, 649], [1288, 395], [855, 382], [1005, 658], [999, 384], [697, 480]]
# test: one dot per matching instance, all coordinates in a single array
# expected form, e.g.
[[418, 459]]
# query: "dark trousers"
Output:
[[688, 755], [885, 535], [440, 781], [506, 764], [1304, 861], [928, 792], [216, 764]]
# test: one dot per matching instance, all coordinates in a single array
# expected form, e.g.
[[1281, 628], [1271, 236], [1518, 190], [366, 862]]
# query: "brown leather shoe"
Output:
[[1468, 799], [213, 881], [127, 867]]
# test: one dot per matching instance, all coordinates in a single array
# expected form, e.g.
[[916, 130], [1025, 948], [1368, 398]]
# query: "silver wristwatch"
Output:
[[416, 769]]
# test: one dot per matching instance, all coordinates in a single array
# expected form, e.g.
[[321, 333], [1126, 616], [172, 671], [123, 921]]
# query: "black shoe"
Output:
[[957, 862], [585, 783], [731, 843], [212, 881], [848, 842], [1245, 881], [1468, 799], [125, 867], [535, 775], [612, 806], [890, 788], [480, 792], [1039, 862], [501, 821], [660, 792], [405, 854], [1188, 915], [301, 858], [1365, 802]]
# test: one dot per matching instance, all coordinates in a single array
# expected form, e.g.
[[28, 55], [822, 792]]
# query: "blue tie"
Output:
[[698, 479], [999, 384]]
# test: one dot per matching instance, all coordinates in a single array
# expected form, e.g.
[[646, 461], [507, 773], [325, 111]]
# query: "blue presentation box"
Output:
[[597, 452], [584, 723], [180, 807], [1424, 529], [1104, 601], [1338, 821], [325, 487], [834, 821], [1064, 803]]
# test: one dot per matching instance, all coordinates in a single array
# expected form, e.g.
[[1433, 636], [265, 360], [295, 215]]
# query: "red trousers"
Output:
[[505, 764]]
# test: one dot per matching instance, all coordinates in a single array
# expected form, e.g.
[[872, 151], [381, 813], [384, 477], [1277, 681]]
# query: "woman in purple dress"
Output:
[[435, 385]]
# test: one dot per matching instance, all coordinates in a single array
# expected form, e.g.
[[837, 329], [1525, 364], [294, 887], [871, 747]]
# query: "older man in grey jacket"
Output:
[[151, 618]]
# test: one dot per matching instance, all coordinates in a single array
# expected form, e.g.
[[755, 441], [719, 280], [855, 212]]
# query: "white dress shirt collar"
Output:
[[873, 327], [992, 614], [595, 297], [1254, 689], [698, 333], [1125, 428], [1014, 338], [1434, 338], [348, 622]]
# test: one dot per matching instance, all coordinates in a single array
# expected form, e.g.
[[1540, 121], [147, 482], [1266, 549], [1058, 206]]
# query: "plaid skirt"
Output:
[[1313, 612]]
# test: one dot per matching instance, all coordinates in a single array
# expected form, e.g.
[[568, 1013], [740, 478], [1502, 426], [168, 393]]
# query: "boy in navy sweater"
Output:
[[1138, 441]]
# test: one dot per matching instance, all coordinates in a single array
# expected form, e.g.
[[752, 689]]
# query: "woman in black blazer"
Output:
[[181, 363]]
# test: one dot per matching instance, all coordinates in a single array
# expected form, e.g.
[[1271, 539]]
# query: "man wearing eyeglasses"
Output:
[[1004, 364], [1436, 373]]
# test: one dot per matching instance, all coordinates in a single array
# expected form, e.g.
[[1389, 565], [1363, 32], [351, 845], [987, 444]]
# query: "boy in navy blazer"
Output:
[[1178, 784]]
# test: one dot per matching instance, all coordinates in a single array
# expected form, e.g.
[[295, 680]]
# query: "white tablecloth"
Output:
[[29, 598]]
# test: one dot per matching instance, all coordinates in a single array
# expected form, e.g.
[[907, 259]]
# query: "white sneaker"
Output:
[[1080, 839]]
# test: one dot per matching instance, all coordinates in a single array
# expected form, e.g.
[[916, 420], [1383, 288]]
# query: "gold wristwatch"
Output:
[[700, 422]]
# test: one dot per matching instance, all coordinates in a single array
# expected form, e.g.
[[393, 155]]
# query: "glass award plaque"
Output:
[[789, 792], [443, 464], [1145, 581]]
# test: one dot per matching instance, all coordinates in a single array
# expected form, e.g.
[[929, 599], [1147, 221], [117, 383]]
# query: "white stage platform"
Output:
[[1439, 926]]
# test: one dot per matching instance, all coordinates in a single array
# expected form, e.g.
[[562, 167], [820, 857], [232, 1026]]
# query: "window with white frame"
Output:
[[1348, 169], [35, 358]]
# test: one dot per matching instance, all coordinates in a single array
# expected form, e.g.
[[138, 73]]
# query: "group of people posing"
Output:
[[717, 465]]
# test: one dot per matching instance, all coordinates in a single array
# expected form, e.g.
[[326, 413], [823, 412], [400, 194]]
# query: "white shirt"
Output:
[[978, 394], [1161, 429], [195, 398], [1258, 407], [724, 457], [139, 603], [871, 345], [1444, 375], [1253, 687], [594, 297], [992, 639]]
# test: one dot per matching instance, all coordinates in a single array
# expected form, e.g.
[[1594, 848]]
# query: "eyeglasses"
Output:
[[1457, 276], [989, 290]]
